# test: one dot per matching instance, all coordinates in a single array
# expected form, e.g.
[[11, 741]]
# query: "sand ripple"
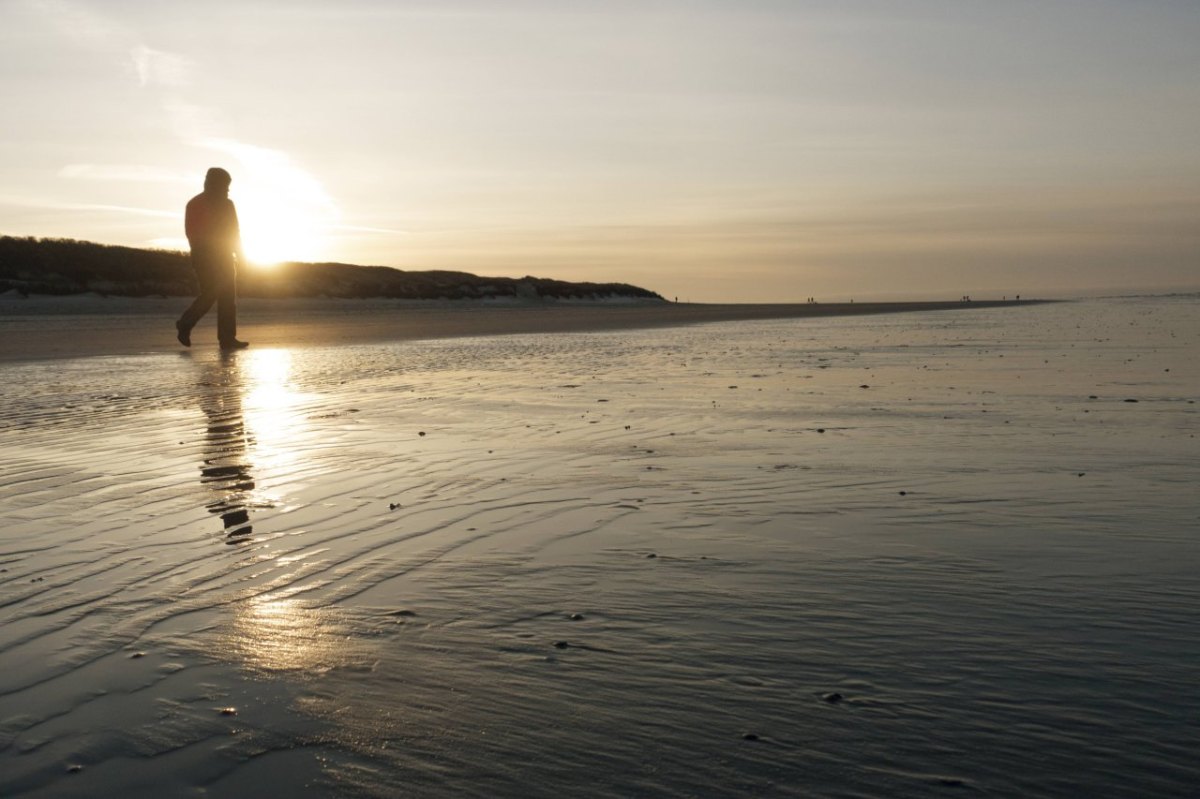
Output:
[[611, 564]]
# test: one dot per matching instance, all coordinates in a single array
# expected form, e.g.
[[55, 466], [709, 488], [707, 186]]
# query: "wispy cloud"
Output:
[[123, 209], [279, 200], [366, 229], [131, 173], [192, 123], [160, 68], [169, 243], [57, 205], [85, 27], [80, 23]]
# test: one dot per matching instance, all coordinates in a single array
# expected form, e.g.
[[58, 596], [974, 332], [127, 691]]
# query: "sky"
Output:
[[734, 151]]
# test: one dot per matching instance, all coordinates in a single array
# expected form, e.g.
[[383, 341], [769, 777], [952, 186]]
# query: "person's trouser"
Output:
[[218, 283]]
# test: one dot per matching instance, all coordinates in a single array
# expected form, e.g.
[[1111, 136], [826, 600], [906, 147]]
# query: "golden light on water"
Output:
[[285, 634], [271, 406], [277, 632], [255, 434]]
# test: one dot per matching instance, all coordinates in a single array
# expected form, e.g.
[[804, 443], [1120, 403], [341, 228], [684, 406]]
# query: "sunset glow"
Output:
[[273, 233], [756, 151], [284, 211]]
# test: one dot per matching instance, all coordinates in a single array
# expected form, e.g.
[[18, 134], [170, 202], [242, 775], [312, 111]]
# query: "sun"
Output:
[[275, 231], [284, 212]]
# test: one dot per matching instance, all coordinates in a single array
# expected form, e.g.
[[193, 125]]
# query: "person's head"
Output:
[[216, 181]]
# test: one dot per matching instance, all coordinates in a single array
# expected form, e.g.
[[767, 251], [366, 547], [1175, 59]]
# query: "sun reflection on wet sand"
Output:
[[250, 432], [252, 397], [271, 404], [226, 470], [273, 634]]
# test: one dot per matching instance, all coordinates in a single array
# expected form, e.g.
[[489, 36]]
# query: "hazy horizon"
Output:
[[764, 151]]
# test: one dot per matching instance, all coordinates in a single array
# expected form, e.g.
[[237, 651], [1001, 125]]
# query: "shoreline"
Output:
[[51, 328]]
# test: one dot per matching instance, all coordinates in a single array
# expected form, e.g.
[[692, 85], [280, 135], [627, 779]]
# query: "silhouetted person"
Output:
[[212, 230]]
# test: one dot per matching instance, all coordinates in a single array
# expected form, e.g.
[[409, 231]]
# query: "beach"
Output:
[[648, 551], [77, 325]]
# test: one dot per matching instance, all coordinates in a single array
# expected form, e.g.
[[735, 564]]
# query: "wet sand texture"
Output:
[[902, 555]]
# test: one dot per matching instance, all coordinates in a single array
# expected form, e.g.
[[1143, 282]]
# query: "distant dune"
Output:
[[66, 266]]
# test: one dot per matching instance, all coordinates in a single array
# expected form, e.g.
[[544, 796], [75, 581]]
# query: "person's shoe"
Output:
[[183, 334], [234, 344]]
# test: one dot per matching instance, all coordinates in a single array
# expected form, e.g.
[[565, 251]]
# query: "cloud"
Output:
[[169, 243], [367, 229], [86, 28], [121, 209], [56, 205], [192, 123], [281, 203], [160, 68], [130, 173], [79, 23]]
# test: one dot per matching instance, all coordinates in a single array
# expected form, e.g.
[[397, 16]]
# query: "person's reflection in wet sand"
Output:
[[226, 470]]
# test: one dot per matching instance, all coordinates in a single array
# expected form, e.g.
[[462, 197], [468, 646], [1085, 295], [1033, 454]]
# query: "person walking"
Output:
[[215, 239]]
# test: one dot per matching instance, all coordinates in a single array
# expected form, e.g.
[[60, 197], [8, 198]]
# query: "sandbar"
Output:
[[38, 328]]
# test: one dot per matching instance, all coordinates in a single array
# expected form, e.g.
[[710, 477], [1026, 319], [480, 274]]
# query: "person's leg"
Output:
[[227, 305], [209, 285]]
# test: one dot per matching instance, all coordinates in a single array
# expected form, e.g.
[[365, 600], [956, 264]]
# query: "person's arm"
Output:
[[191, 222], [237, 237]]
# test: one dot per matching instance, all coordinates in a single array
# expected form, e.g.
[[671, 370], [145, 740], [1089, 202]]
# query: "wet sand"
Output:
[[47, 327], [902, 555]]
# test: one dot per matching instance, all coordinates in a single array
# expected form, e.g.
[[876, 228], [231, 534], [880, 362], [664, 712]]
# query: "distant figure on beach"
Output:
[[212, 230]]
